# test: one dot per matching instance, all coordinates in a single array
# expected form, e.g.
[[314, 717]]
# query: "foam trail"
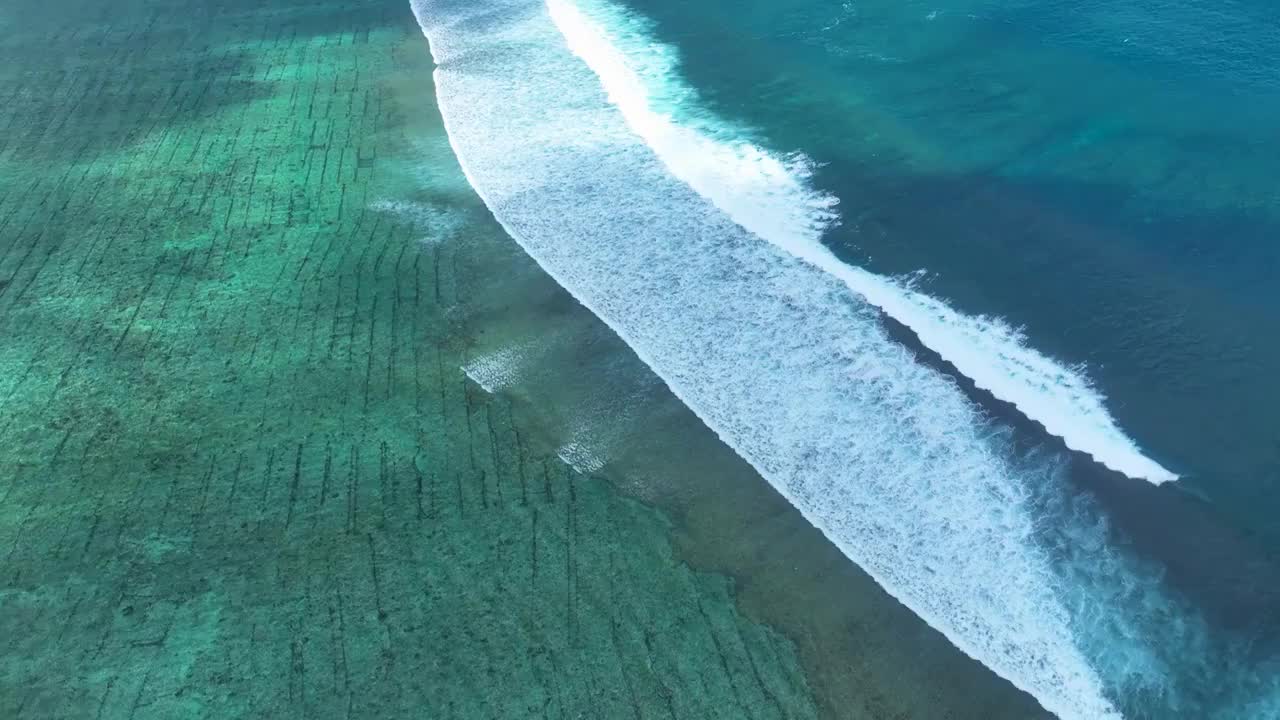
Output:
[[883, 454], [769, 196]]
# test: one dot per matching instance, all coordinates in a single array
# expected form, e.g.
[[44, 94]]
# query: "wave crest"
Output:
[[770, 196]]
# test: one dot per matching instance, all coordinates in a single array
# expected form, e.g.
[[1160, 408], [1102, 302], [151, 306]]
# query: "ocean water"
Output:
[[986, 291], [634, 358]]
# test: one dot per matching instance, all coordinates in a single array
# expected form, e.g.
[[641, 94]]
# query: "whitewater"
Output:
[[702, 252], [769, 197]]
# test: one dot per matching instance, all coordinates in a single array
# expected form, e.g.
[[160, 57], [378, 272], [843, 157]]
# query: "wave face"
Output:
[[769, 196], [883, 454]]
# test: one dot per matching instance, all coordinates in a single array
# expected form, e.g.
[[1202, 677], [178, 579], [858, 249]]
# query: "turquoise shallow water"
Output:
[[290, 428], [243, 473]]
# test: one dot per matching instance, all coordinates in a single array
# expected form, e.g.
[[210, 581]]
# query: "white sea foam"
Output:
[[596, 424], [580, 457], [599, 424], [496, 371], [769, 196], [440, 224], [883, 454]]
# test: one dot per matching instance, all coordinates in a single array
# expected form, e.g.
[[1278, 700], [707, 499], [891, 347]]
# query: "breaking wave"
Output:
[[769, 196], [703, 253]]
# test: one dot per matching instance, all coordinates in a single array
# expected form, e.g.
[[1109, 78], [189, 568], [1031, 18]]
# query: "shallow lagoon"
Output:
[[245, 472]]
